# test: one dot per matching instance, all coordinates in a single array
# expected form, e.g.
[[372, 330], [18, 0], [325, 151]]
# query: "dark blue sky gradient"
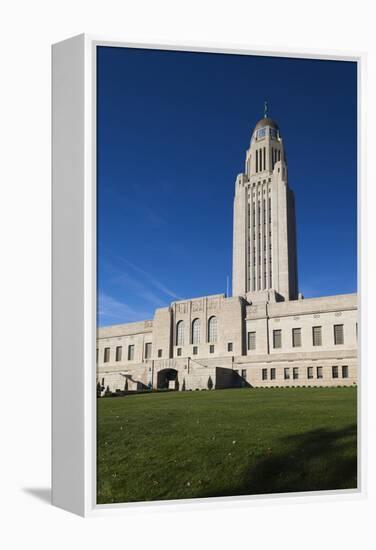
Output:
[[173, 128]]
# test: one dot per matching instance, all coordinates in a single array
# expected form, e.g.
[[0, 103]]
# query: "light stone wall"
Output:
[[137, 334], [235, 318]]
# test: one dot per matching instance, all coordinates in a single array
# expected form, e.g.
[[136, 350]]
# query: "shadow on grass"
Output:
[[318, 460]]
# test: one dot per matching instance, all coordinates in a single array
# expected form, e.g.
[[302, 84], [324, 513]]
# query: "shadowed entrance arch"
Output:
[[165, 376]]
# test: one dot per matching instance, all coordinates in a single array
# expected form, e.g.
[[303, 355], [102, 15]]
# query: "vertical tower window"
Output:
[[296, 337], [277, 338], [264, 159], [212, 329], [338, 334], [119, 350], [251, 340], [257, 158], [180, 333], [148, 350], [131, 352], [316, 336], [196, 326]]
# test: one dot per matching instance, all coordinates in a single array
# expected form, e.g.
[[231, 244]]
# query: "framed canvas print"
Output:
[[206, 306]]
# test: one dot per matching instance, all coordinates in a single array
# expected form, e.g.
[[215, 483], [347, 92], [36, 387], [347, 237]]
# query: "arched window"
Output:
[[196, 326], [180, 333], [212, 329]]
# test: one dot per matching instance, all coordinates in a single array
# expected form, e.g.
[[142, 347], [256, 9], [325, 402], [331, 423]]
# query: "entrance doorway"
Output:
[[167, 379]]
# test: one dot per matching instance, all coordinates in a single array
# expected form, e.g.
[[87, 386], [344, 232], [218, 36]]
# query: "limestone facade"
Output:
[[306, 342], [266, 334]]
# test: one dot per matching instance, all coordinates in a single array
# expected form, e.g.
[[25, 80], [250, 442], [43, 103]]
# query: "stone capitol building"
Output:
[[266, 334]]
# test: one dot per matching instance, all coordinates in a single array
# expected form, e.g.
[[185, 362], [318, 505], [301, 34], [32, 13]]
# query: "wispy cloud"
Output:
[[131, 281], [159, 285], [111, 309]]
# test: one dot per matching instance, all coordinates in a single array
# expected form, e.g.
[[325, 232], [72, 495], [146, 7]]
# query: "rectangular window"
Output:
[[159, 353], [178, 351], [106, 357], [296, 337], [119, 351], [316, 336], [338, 334], [148, 350], [251, 340], [272, 374], [194, 350], [277, 338], [287, 373], [131, 352], [211, 349], [295, 373], [319, 372], [310, 372], [264, 374], [244, 374], [334, 372], [229, 346], [345, 372], [97, 354]]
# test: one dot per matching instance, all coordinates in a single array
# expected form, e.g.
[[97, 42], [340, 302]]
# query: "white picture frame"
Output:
[[74, 277]]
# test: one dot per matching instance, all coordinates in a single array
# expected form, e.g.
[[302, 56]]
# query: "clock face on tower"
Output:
[[261, 133], [273, 133]]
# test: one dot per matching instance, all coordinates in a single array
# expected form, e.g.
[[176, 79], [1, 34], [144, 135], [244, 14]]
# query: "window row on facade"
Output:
[[310, 372], [130, 349], [296, 337], [148, 352], [195, 333], [211, 349]]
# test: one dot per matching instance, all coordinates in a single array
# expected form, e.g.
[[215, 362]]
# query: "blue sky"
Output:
[[173, 128]]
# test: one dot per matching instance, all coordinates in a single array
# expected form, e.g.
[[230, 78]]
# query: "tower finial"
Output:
[[265, 109]]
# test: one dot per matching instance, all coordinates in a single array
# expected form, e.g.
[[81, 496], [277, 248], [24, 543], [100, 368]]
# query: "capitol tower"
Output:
[[264, 236]]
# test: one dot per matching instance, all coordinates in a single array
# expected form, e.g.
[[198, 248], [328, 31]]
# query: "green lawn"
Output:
[[225, 442]]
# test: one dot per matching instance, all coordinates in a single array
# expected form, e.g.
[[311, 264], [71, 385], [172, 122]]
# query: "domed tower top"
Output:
[[266, 121], [266, 148]]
